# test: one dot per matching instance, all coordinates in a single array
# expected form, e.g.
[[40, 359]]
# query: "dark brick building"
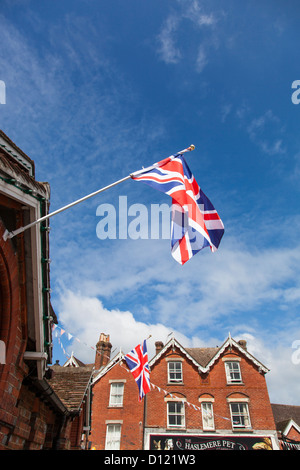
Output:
[[32, 414]]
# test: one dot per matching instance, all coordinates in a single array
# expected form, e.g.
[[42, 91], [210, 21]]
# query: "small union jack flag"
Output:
[[195, 222], [137, 361]]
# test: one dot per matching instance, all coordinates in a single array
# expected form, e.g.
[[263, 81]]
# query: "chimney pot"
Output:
[[103, 350], [158, 346], [243, 343]]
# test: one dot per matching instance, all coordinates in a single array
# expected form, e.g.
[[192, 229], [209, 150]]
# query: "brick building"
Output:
[[287, 419], [32, 415], [200, 398], [115, 403], [71, 383]]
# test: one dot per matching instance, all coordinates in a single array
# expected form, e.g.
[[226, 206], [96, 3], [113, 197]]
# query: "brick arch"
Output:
[[237, 396], [9, 290], [206, 396], [177, 396]]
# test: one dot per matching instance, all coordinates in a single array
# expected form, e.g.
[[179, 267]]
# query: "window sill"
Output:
[[176, 428], [170, 384], [235, 383], [242, 430]]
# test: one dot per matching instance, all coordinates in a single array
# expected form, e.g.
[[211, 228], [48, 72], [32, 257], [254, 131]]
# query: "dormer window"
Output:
[[175, 372], [233, 372]]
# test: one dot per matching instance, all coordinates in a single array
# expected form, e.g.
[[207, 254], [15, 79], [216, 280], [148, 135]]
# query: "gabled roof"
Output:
[[204, 358], [115, 360], [73, 362], [228, 344], [286, 426], [202, 355], [70, 385], [186, 352], [285, 414]]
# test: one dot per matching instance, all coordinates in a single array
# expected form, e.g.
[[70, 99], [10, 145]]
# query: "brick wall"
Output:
[[294, 434], [26, 420], [13, 371], [212, 385], [130, 415]]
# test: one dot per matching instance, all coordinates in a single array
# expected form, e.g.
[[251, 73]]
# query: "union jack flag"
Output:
[[195, 222], [137, 361]]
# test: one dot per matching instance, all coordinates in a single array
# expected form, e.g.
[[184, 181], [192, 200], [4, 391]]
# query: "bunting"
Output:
[[62, 331]]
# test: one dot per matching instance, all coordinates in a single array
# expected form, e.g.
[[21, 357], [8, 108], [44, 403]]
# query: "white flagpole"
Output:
[[21, 229], [12, 234]]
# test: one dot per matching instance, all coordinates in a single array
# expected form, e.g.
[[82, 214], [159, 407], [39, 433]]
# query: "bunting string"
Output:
[[183, 400], [70, 336], [154, 386]]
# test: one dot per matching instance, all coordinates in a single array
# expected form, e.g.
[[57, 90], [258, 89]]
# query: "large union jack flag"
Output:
[[137, 361], [195, 222]]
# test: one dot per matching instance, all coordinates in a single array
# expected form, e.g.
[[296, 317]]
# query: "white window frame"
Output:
[[208, 422], [174, 372], [113, 436], [178, 413], [233, 372], [116, 394], [242, 414]]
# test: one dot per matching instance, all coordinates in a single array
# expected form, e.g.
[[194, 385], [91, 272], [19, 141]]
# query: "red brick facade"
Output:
[[12, 417], [26, 422], [202, 380], [130, 415]]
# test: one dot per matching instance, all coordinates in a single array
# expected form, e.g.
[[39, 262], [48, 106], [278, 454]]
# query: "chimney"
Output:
[[103, 349], [243, 343], [158, 346]]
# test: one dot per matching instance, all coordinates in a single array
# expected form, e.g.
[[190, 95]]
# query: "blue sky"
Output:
[[98, 89]]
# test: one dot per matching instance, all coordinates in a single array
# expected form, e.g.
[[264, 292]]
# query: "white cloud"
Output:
[[72, 88], [168, 51], [201, 60], [264, 131], [86, 317], [133, 289], [276, 353], [169, 40], [194, 11]]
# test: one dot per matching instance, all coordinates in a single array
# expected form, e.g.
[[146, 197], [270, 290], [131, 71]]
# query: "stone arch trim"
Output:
[[237, 396]]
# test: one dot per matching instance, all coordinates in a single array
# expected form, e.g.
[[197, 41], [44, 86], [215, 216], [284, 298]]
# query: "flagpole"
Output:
[[41, 219], [12, 234]]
